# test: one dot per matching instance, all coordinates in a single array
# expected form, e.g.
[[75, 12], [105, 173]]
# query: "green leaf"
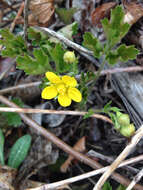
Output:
[[121, 187], [92, 43], [12, 119], [115, 29], [112, 57], [74, 28], [127, 52], [14, 45], [1, 148], [57, 54], [89, 114], [36, 36], [19, 151], [66, 15], [34, 66], [107, 186], [117, 17], [107, 107]]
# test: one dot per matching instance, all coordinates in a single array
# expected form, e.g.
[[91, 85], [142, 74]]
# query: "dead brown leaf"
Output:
[[134, 11], [79, 147], [42, 11], [100, 12], [7, 175]]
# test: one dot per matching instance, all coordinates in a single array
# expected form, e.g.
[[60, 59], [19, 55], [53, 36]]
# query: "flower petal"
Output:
[[69, 81], [49, 92], [75, 94], [64, 100], [53, 78]]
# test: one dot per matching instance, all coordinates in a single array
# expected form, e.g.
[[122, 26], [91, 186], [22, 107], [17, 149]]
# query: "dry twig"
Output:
[[59, 112], [109, 159], [27, 2], [134, 140], [135, 180], [17, 16], [84, 176], [21, 86], [65, 40]]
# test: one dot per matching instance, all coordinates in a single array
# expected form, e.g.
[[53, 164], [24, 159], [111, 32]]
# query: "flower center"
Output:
[[61, 88]]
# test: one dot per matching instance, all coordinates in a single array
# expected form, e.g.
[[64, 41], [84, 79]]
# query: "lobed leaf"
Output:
[[34, 66], [115, 29], [92, 43], [127, 52], [14, 45]]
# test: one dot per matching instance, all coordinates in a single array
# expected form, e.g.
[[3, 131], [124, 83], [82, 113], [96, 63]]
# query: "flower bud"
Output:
[[69, 57], [123, 119], [128, 130]]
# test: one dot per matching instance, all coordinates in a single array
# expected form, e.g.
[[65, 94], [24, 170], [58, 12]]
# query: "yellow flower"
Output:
[[63, 87]]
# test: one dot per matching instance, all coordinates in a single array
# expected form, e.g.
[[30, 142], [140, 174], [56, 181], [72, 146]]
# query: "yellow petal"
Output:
[[69, 81], [53, 78], [64, 100], [49, 92], [75, 94]]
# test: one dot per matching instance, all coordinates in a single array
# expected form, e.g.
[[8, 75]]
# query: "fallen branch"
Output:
[[59, 112], [21, 86], [83, 176], [135, 180], [17, 16]]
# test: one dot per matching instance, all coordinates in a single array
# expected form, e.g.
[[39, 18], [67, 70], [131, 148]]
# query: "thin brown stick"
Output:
[[135, 139], [26, 18], [21, 86], [60, 112], [51, 137], [110, 159], [135, 180], [120, 70], [17, 16], [84, 176]]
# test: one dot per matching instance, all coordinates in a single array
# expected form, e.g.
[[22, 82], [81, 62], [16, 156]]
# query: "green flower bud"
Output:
[[127, 131], [123, 119], [69, 57]]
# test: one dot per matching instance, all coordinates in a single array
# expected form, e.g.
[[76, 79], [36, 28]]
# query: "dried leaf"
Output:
[[101, 12], [7, 175], [6, 66], [42, 10], [134, 12], [79, 147]]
